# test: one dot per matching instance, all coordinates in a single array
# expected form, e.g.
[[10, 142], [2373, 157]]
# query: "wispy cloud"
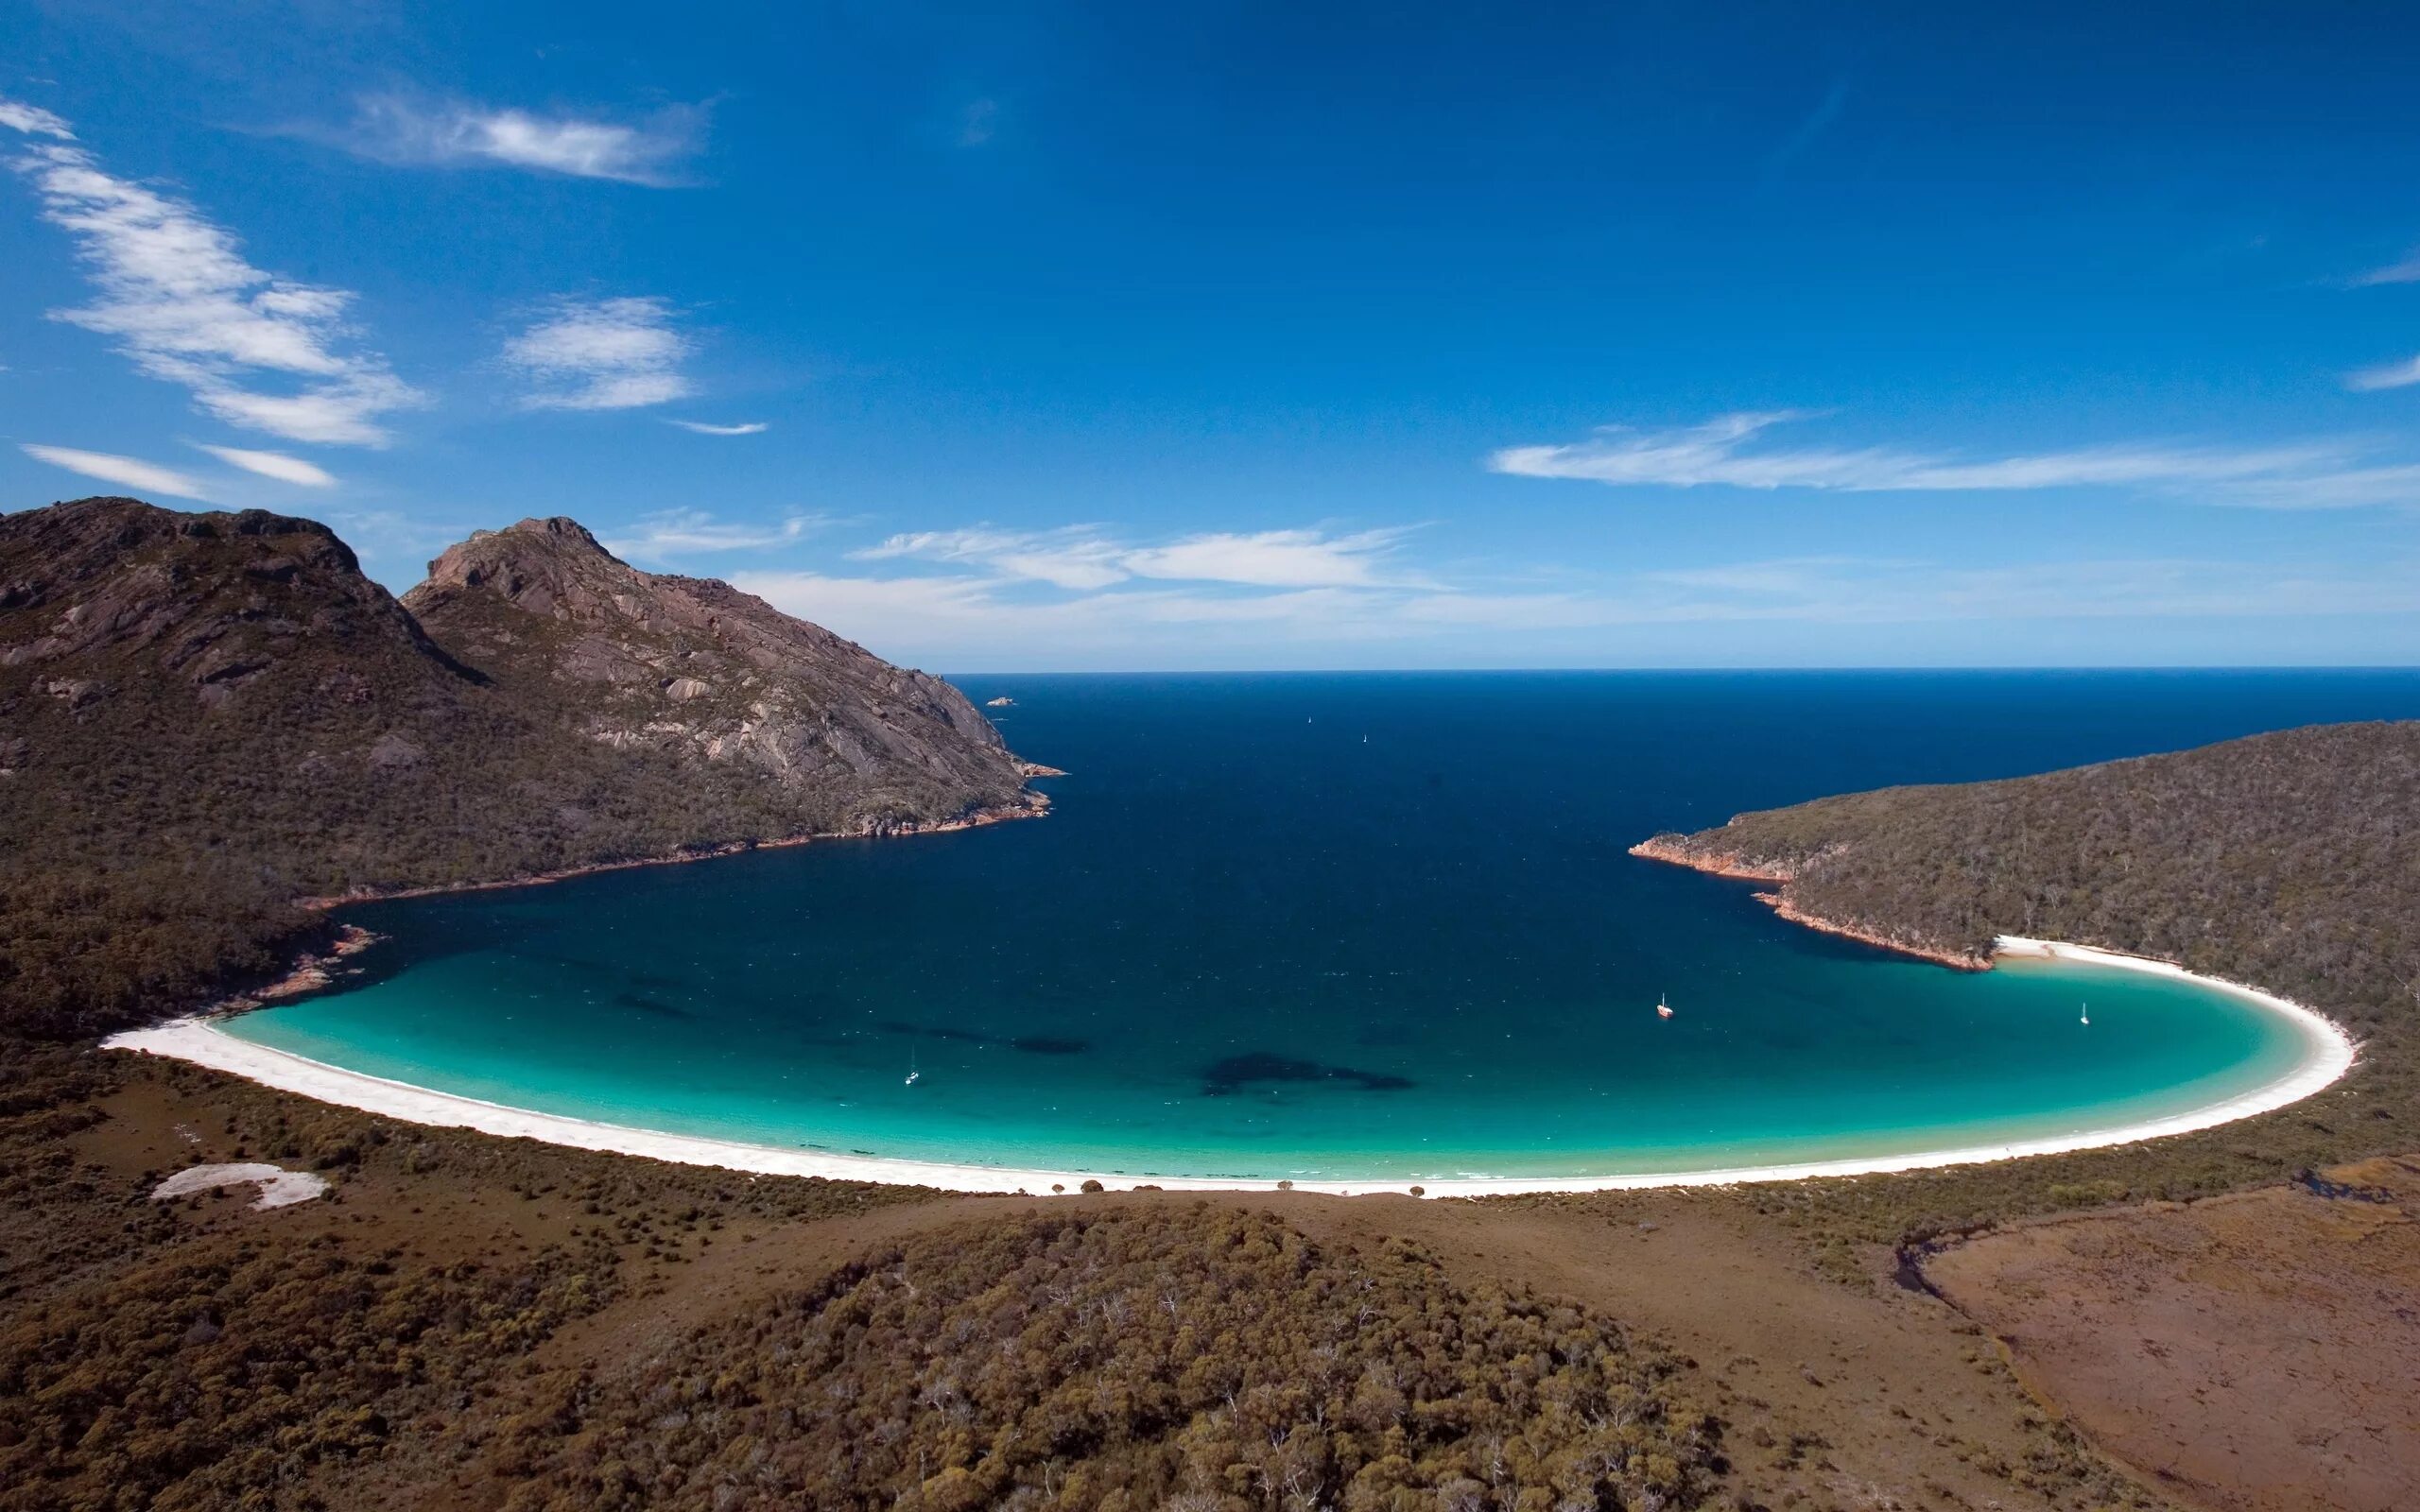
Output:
[[1076, 556], [33, 121], [754, 427], [601, 354], [1723, 450], [1279, 559], [2391, 375], [1814, 124], [411, 132], [1853, 589], [2405, 272], [126, 472], [179, 299], [978, 122], [686, 532], [276, 465], [964, 619], [1084, 556]]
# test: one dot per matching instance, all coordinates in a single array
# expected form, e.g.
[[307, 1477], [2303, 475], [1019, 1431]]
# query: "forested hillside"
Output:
[[2290, 859]]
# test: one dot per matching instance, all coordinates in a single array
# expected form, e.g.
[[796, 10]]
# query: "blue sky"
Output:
[[1212, 335]]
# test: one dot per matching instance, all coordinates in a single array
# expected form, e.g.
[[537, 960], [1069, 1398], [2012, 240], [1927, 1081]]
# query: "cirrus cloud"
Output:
[[1726, 451], [618, 353], [682, 532], [407, 130], [33, 120], [126, 472], [276, 465], [2390, 375], [1086, 557], [178, 298]]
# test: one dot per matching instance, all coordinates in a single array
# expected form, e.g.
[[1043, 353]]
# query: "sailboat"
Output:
[[1662, 1009], [2086, 1019]]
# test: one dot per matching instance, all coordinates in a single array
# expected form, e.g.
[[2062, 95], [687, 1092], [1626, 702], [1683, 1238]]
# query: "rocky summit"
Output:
[[693, 669], [205, 716]]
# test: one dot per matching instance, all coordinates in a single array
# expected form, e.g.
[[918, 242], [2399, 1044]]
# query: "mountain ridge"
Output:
[[205, 716]]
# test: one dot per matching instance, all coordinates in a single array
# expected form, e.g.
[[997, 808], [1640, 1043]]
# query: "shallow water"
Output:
[[1343, 927]]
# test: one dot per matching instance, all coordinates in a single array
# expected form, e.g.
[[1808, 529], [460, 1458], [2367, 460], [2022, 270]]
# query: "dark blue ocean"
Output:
[[1340, 926]]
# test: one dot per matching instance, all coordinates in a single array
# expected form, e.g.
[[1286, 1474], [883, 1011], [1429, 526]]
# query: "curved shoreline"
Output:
[[1037, 805], [1740, 868], [2329, 1054]]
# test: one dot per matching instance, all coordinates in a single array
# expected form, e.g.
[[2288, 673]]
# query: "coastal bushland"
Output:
[[2289, 860], [1207, 1359]]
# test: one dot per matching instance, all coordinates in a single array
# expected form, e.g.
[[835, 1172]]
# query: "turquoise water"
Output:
[[1344, 927]]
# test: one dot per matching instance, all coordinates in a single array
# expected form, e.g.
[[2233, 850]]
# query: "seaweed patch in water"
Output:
[[1226, 1078], [655, 1005]]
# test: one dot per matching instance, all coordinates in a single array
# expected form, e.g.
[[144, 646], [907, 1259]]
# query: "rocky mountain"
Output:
[[206, 716], [694, 669]]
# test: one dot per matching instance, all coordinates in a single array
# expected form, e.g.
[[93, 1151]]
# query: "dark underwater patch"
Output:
[[655, 1005], [1037, 1044], [1042, 1044], [1227, 1077]]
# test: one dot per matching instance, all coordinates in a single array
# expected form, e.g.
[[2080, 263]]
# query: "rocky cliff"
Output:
[[695, 670], [205, 716]]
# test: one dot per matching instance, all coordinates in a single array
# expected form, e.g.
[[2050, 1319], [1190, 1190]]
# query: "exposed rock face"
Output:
[[696, 669], [100, 594]]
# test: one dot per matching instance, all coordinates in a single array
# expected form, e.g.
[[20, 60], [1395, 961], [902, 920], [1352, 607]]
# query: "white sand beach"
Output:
[[2329, 1054]]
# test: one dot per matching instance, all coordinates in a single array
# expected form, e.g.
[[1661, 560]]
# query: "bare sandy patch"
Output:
[[279, 1188], [2254, 1352]]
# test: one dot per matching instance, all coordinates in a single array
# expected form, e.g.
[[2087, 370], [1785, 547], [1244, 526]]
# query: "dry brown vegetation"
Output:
[[1204, 1357], [192, 1354]]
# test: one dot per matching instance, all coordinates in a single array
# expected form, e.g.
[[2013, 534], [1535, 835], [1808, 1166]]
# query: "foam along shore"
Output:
[[2328, 1052]]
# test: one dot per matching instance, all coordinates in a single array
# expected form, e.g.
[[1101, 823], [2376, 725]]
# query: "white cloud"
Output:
[[966, 621], [1083, 558], [127, 472], [418, 133], [677, 532], [2405, 272], [1074, 557], [754, 427], [33, 120], [601, 354], [2392, 375], [1276, 558], [1722, 452], [1848, 590], [274, 465], [179, 299]]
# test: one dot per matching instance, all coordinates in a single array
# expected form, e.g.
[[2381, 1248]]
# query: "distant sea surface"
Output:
[[1339, 927]]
